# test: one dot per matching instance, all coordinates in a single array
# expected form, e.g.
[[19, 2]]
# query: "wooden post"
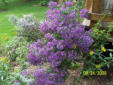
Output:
[[88, 4], [96, 8]]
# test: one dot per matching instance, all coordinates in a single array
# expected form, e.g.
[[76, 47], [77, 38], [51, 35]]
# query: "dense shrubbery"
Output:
[[17, 47], [66, 41], [99, 55], [44, 2], [4, 1], [28, 27], [12, 75], [4, 70]]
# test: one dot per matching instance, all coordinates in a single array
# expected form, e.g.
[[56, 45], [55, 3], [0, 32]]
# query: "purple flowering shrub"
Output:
[[45, 78], [66, 40]]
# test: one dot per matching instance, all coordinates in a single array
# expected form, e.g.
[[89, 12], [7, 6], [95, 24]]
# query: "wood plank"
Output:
[[95, 16], [110, 40], [97, 6], [88, 4]]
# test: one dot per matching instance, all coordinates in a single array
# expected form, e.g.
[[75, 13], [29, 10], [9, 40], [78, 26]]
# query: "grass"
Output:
[[19, 8]]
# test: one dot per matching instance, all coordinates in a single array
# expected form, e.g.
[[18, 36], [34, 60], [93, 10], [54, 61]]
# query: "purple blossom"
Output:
[[52, 4], [33, 59], [40, 50], [44, 78], [41, 77], [84, 13], [44, 27], [68, 3], [49, 36], [54, 41], [70, 54], [85, 42], [39, 43], [89, 32], [75, 56], [60, 45]]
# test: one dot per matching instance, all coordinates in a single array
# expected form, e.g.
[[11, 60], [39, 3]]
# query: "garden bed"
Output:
[[58, 51]]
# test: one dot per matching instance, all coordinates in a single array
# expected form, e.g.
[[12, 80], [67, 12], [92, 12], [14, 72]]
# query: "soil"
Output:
[[37, 5], [31, 69], [94, 80], [2, 10]]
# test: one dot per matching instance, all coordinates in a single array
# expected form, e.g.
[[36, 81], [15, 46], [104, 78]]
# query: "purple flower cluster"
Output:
[[42, 78], [84, 13], [68, 4], [45, 78], [66, 39], [41, 53], [84, 42], [52, 4]]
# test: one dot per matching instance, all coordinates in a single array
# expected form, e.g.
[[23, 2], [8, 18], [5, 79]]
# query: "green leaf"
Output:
[[74, 82], [111, 50], [108, 65], [107, 58], [111, 55]]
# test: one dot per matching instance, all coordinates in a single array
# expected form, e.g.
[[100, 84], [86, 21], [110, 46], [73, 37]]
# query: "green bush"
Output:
[[12, 75], [44, 2], [4, 1], [17, 47], [3, 5], [101, 51], [4, 70], [28, 27]]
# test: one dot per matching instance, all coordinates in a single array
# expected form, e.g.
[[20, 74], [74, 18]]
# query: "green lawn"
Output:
[[19, 8]]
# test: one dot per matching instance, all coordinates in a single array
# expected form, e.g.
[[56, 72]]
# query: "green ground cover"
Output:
[[18, 8]]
